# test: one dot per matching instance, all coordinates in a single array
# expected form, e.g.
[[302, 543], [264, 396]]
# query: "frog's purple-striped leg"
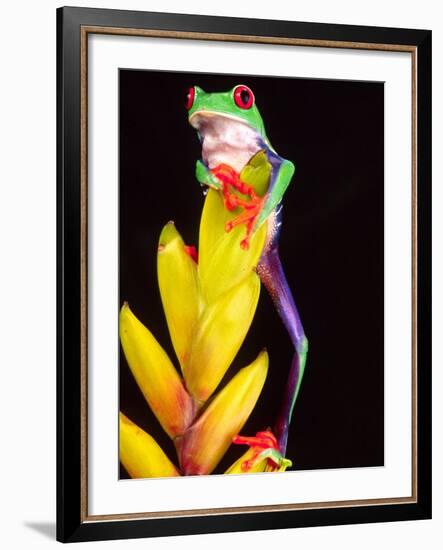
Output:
[[270, 271]]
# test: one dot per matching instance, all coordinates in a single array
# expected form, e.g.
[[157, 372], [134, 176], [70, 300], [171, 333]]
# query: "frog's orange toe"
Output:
[[251, 205], [245, 243]]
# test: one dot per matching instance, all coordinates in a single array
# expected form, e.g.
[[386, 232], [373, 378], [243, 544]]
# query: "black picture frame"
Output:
[[73, 24]]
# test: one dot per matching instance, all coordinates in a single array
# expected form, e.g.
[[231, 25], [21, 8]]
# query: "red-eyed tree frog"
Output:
[[233, 137]]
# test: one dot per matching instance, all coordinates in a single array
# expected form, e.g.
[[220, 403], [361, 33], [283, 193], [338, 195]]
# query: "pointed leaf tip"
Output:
[[206, 441], [178, 284], [140, 454], [221, 330], [168, 234], [155, 375]]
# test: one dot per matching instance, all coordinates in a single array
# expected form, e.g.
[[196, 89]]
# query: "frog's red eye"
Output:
[[189, 101], [243, 97]]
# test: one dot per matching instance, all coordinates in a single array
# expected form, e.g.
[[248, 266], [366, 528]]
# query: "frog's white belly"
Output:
[[225, 140]]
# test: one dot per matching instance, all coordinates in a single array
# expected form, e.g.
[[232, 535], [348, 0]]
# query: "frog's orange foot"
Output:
[[231, 178], [225, 173], [251, 205], [247, 217], [263, 445], [262, 440]]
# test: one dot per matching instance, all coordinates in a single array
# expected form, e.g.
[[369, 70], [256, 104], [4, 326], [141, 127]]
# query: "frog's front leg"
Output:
[[224, 178], [206, 177]]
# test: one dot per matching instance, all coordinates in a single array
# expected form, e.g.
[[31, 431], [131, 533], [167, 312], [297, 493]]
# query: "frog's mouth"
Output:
[[225, 139], [198, 116]]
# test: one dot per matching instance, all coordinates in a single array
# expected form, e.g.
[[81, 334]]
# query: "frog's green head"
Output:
[[229, 125], [237, 104]]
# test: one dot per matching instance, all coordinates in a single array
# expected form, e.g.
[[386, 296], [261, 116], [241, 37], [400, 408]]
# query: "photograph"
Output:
[[251, 274]]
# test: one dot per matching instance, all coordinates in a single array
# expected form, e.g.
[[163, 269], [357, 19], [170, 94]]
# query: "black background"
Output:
[[331, 247]]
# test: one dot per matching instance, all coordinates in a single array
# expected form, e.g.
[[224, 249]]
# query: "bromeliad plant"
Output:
[[209, 303]]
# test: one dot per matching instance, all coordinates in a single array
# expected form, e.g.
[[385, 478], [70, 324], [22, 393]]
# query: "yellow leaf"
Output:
[[257, 173], [178, 282], [140, 454], [220, 333], [239, 465], [155, 375], [222, 262], [206, 441]]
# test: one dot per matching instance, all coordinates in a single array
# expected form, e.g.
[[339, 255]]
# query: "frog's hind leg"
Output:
[[272, 275]]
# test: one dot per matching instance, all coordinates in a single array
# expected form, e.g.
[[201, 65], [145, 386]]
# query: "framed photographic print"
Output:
[[244, 326]]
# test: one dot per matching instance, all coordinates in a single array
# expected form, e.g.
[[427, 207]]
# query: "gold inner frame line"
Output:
[[84, 32]]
